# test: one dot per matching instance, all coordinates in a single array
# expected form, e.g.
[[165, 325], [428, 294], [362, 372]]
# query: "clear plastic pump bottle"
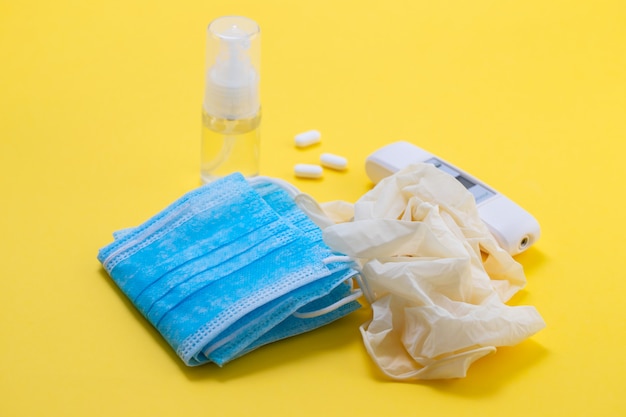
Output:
[[231, 113]]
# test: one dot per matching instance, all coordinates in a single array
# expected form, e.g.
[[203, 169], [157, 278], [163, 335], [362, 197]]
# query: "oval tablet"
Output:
[[308, 171], [308, 138], [333, 161]]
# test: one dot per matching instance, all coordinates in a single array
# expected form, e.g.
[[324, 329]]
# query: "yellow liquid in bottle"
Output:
[[229, 146]]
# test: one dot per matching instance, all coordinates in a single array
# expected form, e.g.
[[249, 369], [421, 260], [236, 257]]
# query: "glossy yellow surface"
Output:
[[100, 105]]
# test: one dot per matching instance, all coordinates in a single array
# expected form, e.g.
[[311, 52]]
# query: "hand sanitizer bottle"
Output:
[[231, 113]]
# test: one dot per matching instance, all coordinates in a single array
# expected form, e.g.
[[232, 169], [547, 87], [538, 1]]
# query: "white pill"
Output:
[[308, 138], [308, 171], [333, 161]]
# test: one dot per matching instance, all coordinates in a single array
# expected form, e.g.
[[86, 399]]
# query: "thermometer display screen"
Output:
[[480, 192]]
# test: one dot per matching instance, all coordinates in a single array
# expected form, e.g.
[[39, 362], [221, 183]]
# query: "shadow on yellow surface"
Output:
[[329, 338], [485, 377]]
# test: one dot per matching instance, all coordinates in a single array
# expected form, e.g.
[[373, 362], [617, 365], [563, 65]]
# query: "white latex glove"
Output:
[[435, 276]]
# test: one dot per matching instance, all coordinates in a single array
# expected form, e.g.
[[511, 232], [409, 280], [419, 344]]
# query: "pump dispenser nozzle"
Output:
[[232, 82]]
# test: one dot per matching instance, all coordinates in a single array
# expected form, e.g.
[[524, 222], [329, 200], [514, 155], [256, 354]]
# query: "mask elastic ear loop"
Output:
[[367, 292], [354, 294], [334, 306], [337, 258], [369, 295]]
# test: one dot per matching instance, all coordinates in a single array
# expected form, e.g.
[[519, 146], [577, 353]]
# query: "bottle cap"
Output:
[[232, 75]]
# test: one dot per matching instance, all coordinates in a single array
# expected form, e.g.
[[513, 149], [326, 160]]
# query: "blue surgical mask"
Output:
[[332, 297], [229, 267]]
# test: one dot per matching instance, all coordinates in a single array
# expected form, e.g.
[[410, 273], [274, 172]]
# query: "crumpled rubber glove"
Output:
[[435, 276]]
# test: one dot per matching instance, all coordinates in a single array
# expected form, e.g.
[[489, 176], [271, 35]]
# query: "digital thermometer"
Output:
[[513, 227]]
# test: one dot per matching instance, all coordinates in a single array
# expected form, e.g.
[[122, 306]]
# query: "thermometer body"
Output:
[[513, 227]]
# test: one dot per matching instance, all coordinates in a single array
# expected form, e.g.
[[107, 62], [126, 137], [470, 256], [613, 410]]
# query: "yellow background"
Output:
[[100, 127]]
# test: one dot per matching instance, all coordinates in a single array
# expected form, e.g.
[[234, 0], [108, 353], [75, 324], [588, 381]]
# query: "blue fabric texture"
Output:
[[223, 269]]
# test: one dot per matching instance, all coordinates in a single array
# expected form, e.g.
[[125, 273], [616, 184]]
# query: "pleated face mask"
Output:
[[230, 267]]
